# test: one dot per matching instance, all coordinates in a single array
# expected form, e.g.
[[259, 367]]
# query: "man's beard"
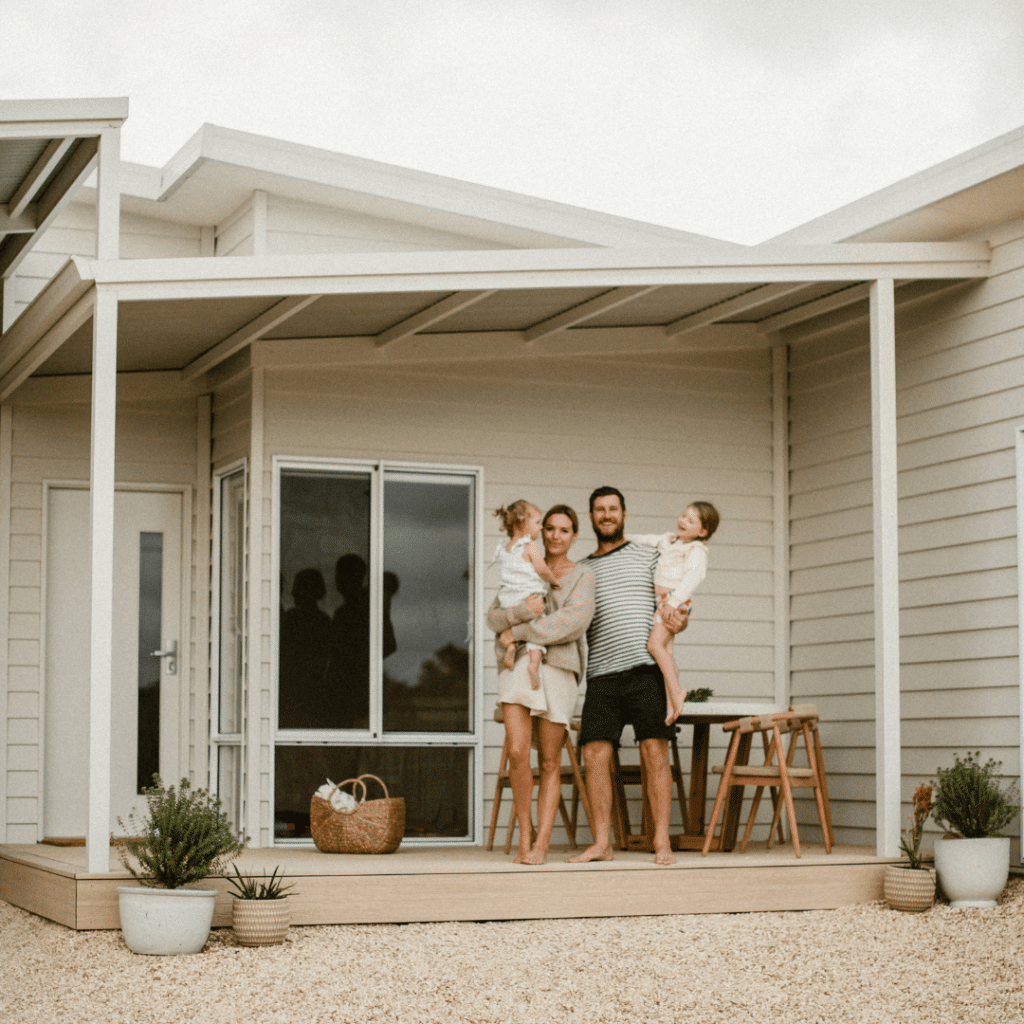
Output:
[[616, 535]]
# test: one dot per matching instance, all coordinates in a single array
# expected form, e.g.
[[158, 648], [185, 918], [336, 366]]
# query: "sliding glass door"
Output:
[[377, 574]]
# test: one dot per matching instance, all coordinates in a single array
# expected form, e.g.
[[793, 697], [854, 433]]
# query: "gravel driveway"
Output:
[[861, 964]]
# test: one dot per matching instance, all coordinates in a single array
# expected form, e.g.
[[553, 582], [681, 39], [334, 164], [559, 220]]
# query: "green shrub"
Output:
[[969, 800], [183, 837]]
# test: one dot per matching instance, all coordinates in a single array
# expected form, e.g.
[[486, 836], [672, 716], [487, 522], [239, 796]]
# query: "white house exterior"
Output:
[[388, 356]]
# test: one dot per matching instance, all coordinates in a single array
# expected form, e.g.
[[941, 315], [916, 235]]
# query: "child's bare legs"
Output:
[[660, 647], [509, 661], [534, 667]]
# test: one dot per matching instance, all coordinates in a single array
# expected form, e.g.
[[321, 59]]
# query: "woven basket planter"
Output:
[[260, 922], [909, 889], [375, 826]]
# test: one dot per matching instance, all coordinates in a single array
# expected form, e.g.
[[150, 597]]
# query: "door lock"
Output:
[[171, 654]]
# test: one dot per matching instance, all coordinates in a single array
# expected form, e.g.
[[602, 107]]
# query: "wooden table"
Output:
[[700, 717]]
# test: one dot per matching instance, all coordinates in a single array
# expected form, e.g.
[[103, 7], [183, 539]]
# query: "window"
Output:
[[375, 657]]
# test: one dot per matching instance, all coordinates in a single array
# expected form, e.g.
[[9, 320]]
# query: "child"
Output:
[[523, 572], [683, 563]]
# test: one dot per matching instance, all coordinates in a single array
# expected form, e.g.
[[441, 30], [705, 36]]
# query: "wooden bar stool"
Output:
[[571, 775]]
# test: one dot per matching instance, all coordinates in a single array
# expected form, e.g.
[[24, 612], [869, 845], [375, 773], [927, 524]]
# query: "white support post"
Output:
[[108, 195], [887, 597], [101, 525], [780, 517], [1019, 434], [255, 739]]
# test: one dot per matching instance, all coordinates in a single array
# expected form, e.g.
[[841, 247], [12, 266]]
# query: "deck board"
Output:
[[471, 884]]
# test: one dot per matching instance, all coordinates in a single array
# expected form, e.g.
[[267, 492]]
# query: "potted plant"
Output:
[[259, 915], [973, 860], [911, 886], [182, 837]]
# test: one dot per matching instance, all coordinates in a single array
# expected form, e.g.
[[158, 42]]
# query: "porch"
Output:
[[472, 884]]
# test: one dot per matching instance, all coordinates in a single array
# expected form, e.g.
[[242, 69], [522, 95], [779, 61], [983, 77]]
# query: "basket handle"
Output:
[[367, 775], [355, 782]]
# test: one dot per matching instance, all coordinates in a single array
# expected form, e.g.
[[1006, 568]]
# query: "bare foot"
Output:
[[534, 677], [538, 855], [522, 857], [595, 852], [663, 856], [509, 661]]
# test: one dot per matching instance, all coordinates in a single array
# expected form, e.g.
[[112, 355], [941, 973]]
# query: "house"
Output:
[[271, 394]]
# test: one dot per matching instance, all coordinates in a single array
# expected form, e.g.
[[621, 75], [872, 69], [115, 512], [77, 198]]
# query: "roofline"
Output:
[[999, 155], [54, 114], [405, 185]]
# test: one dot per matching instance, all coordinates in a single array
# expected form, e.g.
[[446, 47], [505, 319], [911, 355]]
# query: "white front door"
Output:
[[147, 618]]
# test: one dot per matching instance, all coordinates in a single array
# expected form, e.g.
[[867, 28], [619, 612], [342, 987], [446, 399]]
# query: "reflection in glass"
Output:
[[427, 600], [434, 781], [151, 568], [232, 602], [324, 666]]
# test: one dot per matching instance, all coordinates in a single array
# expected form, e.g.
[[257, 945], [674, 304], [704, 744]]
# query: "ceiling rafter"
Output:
[[252, 331], [585, 311], [742, 303], [432, 315], [36, 178], [826, 304]]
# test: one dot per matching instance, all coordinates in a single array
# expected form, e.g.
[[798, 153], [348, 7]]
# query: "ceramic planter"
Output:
[[909, 889], [165, 922], [260, 922], [972, 872]]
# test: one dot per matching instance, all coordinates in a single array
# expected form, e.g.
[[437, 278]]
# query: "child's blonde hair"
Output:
[[515, 514], [708, 516]]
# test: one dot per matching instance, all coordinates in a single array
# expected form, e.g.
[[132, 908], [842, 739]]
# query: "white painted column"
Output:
[[101, 525], [1019, 434], [780, 517], [6, 437], [108, 195], [887, 581], [258, 742]]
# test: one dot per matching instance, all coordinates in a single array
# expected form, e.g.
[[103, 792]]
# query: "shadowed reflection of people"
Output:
[[390, 643], [305, 634], [347, 697]]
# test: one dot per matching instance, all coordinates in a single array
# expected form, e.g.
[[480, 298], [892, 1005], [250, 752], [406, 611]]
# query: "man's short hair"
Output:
[[606, 492]]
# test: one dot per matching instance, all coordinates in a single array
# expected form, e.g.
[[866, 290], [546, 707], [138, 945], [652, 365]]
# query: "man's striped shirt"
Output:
[[624, 610]]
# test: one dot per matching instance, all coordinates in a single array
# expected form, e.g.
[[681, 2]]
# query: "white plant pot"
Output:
[[165, 922], [972, 872]]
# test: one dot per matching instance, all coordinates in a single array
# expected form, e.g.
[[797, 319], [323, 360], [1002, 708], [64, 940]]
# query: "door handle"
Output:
[[171, 654]]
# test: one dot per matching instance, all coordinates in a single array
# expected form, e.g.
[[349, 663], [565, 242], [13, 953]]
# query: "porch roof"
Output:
[[189, 315]]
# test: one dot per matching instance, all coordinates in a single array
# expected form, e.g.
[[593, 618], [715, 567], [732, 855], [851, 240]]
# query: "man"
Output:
[[624, 685]]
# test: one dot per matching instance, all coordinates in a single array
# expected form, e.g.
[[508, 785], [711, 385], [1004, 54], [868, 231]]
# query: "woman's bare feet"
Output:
[[538, 855], [522, 857], [663, 855], [601, 851]]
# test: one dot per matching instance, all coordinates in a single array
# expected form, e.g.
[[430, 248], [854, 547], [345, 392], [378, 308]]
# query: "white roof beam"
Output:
[[273, 317], [433, 314], [731, 307], [36, 178], [584, 311], [826, 304], [22, 224]]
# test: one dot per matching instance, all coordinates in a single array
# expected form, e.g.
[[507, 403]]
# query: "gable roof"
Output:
[[965, 194], [218, 168]]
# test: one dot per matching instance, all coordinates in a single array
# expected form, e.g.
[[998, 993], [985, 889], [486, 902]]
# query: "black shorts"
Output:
[[635, 697]]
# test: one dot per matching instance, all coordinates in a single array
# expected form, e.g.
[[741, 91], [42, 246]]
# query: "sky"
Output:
[[737, 119]]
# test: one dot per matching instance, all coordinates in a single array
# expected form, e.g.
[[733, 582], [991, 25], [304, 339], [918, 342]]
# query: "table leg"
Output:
[[698, 779]]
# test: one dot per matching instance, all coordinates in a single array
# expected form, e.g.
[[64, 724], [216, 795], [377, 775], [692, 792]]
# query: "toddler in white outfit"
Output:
[[682, 564], [523, 572]]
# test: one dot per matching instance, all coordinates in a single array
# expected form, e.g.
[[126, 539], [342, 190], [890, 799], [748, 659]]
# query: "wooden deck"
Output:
[[471, 884]]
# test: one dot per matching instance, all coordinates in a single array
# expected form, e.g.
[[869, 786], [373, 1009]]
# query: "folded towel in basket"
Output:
[[339, 798]]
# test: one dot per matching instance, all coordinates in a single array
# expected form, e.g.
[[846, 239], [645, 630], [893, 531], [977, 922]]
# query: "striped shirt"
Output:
[[624, 610]]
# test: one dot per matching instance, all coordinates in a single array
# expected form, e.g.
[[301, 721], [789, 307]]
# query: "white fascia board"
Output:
[[534, 268], [53, 118], [1002, 154], [418, 189]]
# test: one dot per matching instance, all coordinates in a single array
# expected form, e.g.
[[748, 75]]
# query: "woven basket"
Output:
[[375, 826], [912, 890]]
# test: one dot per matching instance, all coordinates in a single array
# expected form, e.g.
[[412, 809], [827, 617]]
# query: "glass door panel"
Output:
[[427, 597]]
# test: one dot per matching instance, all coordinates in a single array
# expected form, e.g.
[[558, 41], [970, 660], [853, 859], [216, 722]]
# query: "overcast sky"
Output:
[[732, 118]]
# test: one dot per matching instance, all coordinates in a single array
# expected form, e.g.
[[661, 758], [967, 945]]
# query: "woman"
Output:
[[562, 631]]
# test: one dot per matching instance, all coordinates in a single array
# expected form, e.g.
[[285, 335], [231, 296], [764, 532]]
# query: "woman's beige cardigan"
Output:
[[562, 630]]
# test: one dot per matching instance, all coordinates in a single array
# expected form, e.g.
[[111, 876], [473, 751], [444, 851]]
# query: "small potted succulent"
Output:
[[973, 859], [910, 886], [259, 916], [182, 838]]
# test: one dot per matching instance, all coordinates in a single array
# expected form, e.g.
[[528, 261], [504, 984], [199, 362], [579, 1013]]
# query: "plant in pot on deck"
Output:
[[973, 860], [259, 916], [911, 886], [182, 838]]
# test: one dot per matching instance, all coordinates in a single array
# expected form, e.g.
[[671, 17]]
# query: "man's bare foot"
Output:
[[663, 856], [509, 661], [595, 852], [534, 677]]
